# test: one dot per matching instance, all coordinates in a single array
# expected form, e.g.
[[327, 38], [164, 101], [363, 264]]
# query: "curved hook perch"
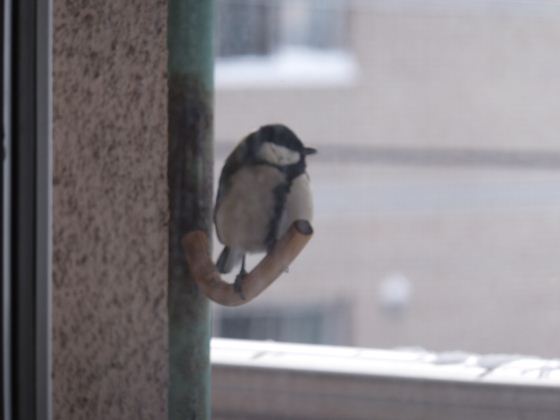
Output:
[[206, 275]]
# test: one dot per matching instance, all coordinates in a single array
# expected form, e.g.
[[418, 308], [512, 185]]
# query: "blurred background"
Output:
[[437, 183]]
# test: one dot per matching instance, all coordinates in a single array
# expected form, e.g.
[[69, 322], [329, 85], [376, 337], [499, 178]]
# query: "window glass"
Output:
[[436, 183], [262, 28]]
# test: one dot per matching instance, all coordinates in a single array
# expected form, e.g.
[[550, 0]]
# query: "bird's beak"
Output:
[[309, 151]]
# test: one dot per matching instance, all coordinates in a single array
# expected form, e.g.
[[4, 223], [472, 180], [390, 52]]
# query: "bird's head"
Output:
[[277, 145]]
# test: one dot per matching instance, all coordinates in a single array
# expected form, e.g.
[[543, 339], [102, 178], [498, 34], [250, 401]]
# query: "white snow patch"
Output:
[[457, 366]]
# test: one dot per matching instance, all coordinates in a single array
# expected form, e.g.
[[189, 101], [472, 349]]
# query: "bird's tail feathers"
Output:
[[228, 259]]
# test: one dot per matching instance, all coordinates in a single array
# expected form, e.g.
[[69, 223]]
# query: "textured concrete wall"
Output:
[[110, 210]]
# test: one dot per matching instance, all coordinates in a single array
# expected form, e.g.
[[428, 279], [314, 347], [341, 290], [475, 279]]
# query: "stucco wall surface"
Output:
[[110, 210]]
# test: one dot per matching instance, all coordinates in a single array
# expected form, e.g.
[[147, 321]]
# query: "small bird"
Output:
[[263, 189]]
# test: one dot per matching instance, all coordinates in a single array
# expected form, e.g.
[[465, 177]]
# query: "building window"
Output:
[[246, 27], [260, 27], [313, 324], [282, 41]]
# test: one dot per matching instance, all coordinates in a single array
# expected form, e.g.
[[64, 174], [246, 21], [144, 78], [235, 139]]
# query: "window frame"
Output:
[[26, 209]]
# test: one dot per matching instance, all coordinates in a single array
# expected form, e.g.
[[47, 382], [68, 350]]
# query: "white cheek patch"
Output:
[[278, 155]]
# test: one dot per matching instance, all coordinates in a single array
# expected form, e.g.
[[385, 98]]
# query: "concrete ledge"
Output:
[[287, 381]]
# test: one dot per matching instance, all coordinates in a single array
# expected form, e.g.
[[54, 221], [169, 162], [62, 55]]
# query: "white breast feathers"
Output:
[[278, 155], [243, 217]]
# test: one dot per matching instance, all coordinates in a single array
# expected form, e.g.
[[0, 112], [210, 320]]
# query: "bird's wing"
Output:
[[233, 163]]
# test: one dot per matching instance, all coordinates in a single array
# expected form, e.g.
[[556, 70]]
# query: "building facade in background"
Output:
[[437, 175]]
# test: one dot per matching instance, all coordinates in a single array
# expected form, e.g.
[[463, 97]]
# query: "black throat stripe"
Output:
[[280, 195]]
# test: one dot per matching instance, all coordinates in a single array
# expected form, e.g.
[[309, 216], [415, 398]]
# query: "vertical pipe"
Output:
[[190, 198]]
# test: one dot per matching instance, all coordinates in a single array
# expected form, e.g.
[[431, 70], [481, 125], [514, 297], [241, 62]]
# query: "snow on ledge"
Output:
[[450, 366], [289, 67]]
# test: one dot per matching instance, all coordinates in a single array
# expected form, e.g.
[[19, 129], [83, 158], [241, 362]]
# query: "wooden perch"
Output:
[[208, 278]]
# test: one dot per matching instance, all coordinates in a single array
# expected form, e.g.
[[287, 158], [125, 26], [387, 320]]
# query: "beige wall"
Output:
[[430, 75], [110, 210], [477, 244]]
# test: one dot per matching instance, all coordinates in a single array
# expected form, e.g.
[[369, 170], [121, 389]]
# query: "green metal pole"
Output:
[[190, 67]]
